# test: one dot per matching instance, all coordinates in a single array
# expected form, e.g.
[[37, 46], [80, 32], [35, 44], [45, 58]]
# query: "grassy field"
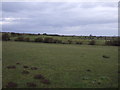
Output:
[[64, 65]]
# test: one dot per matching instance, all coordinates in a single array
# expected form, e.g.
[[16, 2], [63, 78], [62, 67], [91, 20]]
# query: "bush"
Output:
[[69, 41], [19, 39], [108, 42], [38, 33], [5, 37], [92, 42], [44, 33], [113, 42], [22, 39], [64, 42], [27, 39], [39, 39], [79, 43], [48, 40], [13, 34], [57, 41]]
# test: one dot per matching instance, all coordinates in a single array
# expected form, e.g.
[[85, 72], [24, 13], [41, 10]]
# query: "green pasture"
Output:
[[64, 65]]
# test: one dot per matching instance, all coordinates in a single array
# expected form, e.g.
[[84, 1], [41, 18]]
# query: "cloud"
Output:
[[81, 18], [4, 21]]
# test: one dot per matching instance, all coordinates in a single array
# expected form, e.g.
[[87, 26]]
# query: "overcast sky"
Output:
[[68, 18]]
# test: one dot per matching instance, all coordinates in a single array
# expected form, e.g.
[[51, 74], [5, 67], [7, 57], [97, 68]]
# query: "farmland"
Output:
[[64, 65]]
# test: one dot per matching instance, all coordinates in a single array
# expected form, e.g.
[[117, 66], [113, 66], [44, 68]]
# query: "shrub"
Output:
[[108, 42], [5, 37], [57, 41], [27, 39], [39, 39], [48, 40], [69, 41], [18, 34], [13, 34], [64, 42], [92, 42], [79, 43], [44, 33], [38, 33], [113, 42], [22, 39], [19, 39]]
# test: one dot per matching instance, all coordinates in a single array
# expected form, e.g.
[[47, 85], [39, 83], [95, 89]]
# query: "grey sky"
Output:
[[68, 18]]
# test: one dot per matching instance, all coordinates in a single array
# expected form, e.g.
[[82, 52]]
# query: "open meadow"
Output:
[[46, 65]]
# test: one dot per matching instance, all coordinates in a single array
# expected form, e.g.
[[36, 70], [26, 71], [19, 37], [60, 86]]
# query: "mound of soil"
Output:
[[105, 56], [34, 68], [11, 85], [17, 63], [45, 81], [11, 67], [25, 67], [39, 76], [88, 70], [99, 83], [25, 72], [31, 84]]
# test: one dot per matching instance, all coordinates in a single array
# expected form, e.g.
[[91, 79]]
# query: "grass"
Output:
[[63, 65]]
